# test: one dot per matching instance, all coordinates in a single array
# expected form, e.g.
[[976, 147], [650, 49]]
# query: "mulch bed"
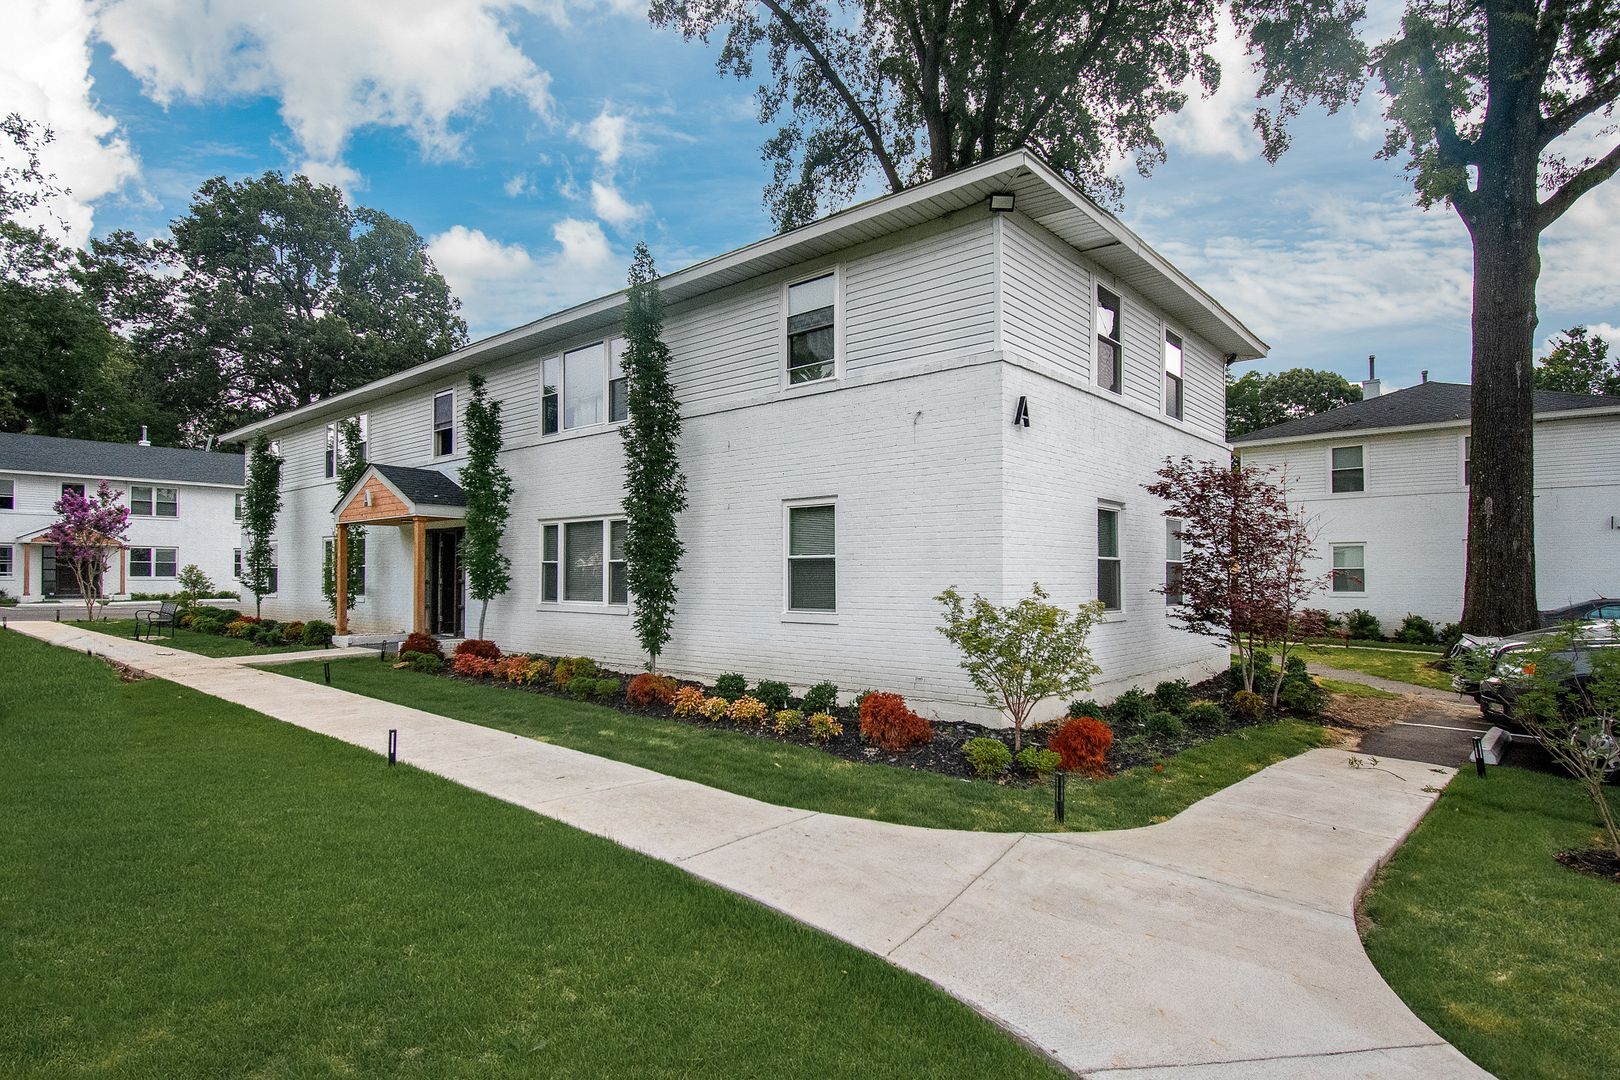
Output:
[[1599, 862]]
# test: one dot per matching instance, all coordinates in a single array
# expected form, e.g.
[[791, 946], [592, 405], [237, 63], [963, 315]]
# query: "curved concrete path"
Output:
[[1219, 944]]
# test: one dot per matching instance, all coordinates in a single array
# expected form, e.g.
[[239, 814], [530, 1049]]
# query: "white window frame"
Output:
[[1180, 415], [8, 492], [785, 382], [1098, 288], [1118, 558], [330, 459], [615, 363], [603, 606], [433, 423], [152, 501], [1172, 531], [613, 349], [1333, 568], [790, 613], [1364, 470], [275, 570], [1467, 447], [236, 509], [152, 562], [329, 543], [236, 564], [8, 561]]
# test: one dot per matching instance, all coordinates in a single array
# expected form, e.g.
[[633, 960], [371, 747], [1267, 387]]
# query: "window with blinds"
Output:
[[1110, 353], [444, 423], [1109, 576], [583, 562], [811, 329], [812, 558]]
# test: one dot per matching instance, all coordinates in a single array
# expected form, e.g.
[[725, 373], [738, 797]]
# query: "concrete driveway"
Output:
[[1221, 943]]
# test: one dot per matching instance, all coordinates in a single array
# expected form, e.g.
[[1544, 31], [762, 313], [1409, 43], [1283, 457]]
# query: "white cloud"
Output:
[[332, 172], [45, 76], [419, 65], [1220, 124], [505, 285], [612, 207], [608, 133], [519, 185]]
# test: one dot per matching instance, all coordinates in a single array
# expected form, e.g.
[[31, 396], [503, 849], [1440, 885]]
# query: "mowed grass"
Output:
[[1354, 689], [188, 888], [1385, 663], [1504, 952], [804, 777], [186, 641]]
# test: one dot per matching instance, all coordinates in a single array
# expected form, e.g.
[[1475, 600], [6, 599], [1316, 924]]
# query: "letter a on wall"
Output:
[[1021, 414]]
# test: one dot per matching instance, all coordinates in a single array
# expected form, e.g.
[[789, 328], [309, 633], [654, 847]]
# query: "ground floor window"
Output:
[[357, 560], [812, 558], [1109, 575], [5, 560], [152, 562], [1349, 568], [1173, 595], [582, 562]]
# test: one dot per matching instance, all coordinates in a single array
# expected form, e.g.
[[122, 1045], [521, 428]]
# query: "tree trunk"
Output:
[[483, 610]]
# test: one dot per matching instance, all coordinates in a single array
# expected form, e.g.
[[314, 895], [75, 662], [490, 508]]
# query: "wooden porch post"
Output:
[[419, 571], [340, 576], [26, 572]]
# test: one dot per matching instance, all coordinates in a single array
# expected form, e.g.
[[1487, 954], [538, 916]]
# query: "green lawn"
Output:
[[1385, 663], [1505, 953], [186, 641], [188, 888], [1354, 689], [801, 776]]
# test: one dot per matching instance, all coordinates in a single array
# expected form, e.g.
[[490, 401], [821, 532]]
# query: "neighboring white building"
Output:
[[1386, 482], [183, 509], [898, 398]]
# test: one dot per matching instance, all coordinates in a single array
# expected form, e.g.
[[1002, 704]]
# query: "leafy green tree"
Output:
[[261, 505], [1258, 401], [488, 490], [1579, 363], [1019, 655], [654, 486], [351, 465]]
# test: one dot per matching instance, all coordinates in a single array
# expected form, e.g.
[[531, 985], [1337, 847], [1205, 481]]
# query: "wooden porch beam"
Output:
[[340, 575]]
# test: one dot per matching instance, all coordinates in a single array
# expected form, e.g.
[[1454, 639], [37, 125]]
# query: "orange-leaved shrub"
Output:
[[689, 701], [1082, 744], [469, 666], [479, 647], [888, 723], [422, 643], [647, 690], [512, 669]]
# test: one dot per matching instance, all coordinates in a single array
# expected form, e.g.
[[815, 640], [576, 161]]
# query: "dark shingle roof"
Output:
[[116, 461], [1426, 403], [423, 487]]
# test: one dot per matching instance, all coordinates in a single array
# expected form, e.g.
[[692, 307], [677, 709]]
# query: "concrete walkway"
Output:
[[1220, 944]]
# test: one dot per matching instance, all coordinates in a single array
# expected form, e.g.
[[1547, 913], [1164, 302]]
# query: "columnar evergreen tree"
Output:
[[351, 465], [261, 505], [654, 486], [489, 500]]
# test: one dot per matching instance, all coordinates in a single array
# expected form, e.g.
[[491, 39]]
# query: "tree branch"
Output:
[[1552, 208], [1561, 121], [1088, 53], [824, 64], [1454, 149]]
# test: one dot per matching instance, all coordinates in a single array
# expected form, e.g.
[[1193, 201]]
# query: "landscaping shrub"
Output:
[[688, 700], [480, 647], [238, 628], [536, 671], [824, 727], [987, 757], [570, 668], [1247, 705], [427, 663], [471, 666], [292, 633], [788, 721], [1205, 714], [1416, 630], [1173, 697], [268, 636], [1130, 710], [1086, 707], [775, 695], [1161, 724], [715, 708], [511, 669], [731, 686], [647, 690], [1363, 624], [748, 710], [1081, 745], [1302, 697], [1449, 634], [821, 698], [318, 634], [422, 643], [887, 722], [204, 624], [582, 688], [607, 688], [1039, 761]]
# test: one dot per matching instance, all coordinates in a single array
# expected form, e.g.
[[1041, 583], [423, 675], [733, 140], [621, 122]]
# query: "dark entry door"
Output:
[[446, 596]]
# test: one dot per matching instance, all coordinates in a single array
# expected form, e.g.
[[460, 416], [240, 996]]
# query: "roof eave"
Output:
[[1433, 425]]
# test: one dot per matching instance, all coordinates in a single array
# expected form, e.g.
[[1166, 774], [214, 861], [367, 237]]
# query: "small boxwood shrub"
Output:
[[570, 668], [889, 724], [480, 647], [268, 636], [647, 690], [1302, 697], [987, 757], [688, 700], [204, 624], [715, 708], [775, 695], [1130, 710], [748, 710], [427, 663], [1416, 630], [1173, 696], [1039, 761], [292, 633], [608, 688], [1086, 707], [788, 721], [422, 643], [1363, 624], [1161, 724], [318, 633], [1205, 714], [1248, 705], [824, 727], [1082, 745], [582, 687], [731, 686], [821, 698]]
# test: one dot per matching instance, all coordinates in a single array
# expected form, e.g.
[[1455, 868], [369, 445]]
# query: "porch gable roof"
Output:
[[393, 493]]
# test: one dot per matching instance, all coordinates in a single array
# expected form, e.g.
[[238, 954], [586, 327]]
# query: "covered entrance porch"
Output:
[[46, 575], [431, 506]]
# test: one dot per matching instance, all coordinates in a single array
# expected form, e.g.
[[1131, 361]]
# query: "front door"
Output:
[[445, 593]]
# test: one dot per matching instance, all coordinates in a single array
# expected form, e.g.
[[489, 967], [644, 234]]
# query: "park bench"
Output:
[[149, 619]]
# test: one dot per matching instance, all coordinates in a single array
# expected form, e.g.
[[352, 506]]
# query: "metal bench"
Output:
[[149, 619]]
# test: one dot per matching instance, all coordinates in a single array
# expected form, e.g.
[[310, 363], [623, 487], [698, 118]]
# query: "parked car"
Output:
[[1502, 686], [1600, 609], [1592, 614]]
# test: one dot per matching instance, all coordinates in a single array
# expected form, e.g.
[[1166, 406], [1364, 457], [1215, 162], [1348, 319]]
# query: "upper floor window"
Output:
[[332, 446], [812, 558], [1349, 568], [5, 560], [1109, 576], [1110, 358], [584, 386], [1173, 595], [77, 489], [1468, 454], [618, 383], [8, 495], [153, 501], [812, 337], [551, 395], [1172, 376], [236, 511], [1349, 468], [444, 423]]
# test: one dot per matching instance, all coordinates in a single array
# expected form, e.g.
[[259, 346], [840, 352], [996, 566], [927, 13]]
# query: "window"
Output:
[[444, 423], [1349, 473], [811, 329], [236, 512], [5, 560], [551, 395], [812, 558], [147, 562], [77, 489], [1468, 451], [1173, 595], [154, 502], [582, 562], [236, 563], [357, 557], [1349, 568], [584, 383], [332, 442], [1172, 376], [1108, 568], [1110, 351], [274, 583], [618, 384], [363, 423], [8, 495]]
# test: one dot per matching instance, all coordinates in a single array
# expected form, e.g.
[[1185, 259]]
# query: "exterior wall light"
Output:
[[1001, 202]]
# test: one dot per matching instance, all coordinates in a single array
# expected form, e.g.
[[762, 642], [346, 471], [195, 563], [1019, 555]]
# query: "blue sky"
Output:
[[534, 141]]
